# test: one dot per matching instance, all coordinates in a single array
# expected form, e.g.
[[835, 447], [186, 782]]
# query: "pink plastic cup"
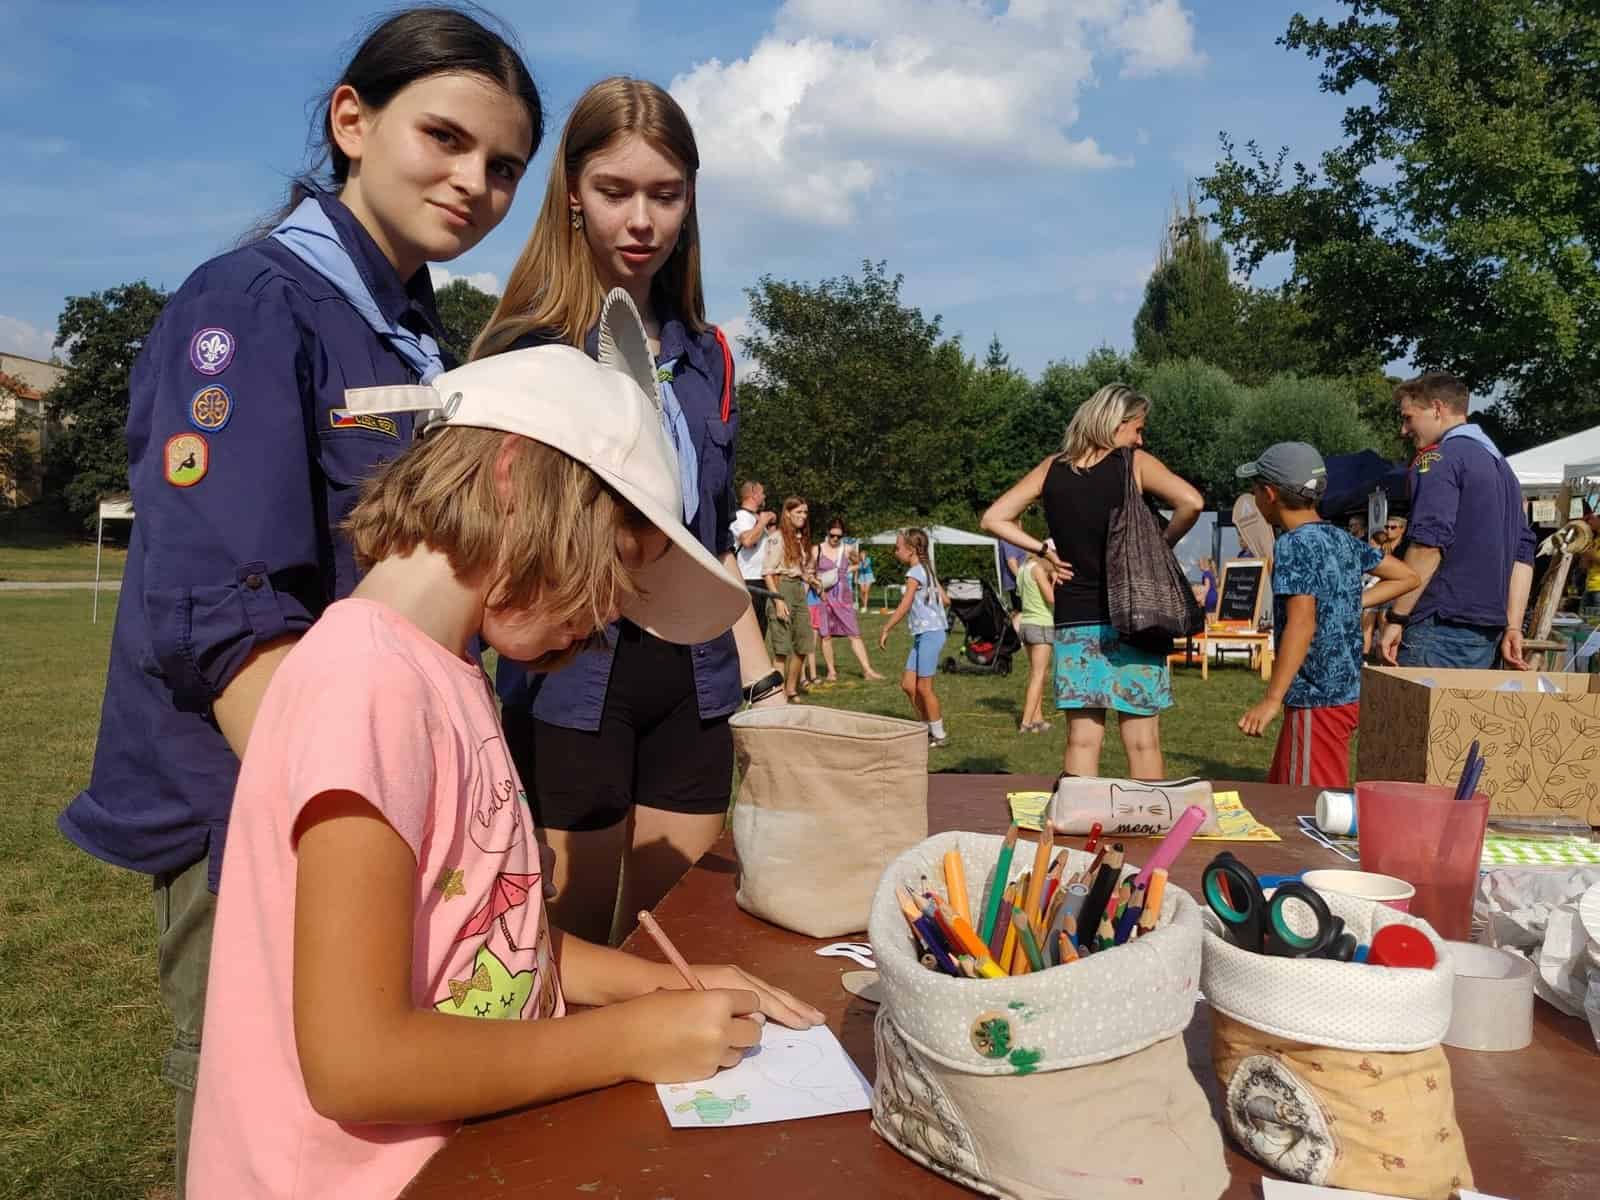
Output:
[[1421, 833]]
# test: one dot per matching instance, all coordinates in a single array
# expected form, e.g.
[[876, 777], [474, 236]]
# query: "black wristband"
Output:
[[763, 687], [1393, 618]]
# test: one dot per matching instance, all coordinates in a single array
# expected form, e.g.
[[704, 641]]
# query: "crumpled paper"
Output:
[[1535, 913]]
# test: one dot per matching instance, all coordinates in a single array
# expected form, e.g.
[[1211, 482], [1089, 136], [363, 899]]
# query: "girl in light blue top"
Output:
[[925, 601]]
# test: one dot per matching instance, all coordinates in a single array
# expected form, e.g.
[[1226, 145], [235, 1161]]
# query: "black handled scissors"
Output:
[[1261, 925]]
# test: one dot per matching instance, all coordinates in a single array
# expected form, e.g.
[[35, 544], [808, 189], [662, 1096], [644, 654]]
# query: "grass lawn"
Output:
[[41, 544], [82, 1112]]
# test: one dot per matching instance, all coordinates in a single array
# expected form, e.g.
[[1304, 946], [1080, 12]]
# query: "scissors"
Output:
[[861, 952], [1258, 924]]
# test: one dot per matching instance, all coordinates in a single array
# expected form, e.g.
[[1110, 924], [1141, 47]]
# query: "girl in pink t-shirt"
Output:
[[382, 873]]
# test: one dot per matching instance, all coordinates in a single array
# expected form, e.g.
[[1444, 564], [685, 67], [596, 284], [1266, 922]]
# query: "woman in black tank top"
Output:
[[1082, 487]]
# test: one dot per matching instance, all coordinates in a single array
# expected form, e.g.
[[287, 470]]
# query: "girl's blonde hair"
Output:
[[796, 542], [553, 286], [548, 537], [917, 540], [1094, 426]]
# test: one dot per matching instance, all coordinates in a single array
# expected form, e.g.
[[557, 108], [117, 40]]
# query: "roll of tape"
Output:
[[1492, 1006]]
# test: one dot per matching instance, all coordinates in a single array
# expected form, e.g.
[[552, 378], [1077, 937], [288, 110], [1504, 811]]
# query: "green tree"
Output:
[[854, 399], [103, 332], [1192, 405], [1065, 385], [1291, 409], [996, 359], [19, 461], [1191, 307], [1459, 221], [463, 310]]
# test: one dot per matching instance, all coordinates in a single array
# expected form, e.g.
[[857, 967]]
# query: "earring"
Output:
[[577, 219]]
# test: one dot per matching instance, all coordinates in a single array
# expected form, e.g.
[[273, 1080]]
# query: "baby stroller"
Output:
[[990, 639]]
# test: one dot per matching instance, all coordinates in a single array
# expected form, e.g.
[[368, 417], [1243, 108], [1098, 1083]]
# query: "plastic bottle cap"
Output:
[[1402, 946]]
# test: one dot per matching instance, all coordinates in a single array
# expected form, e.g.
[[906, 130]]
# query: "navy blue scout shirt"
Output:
[[1466, 503], [1326, 564], [575, 697], [241, 474]]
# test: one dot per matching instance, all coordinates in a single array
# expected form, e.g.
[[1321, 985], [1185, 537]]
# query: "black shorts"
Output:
[[652, 748]]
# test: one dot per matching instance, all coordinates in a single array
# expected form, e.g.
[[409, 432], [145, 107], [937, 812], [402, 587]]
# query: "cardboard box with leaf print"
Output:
[[1539, 733]]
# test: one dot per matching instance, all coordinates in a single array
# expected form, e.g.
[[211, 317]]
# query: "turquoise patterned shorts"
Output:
[[1095, 668]]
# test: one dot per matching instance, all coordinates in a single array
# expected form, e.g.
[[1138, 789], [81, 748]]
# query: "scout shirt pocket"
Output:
[[716, 456]]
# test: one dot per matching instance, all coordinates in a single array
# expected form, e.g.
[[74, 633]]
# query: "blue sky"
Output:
[[1015, 162]]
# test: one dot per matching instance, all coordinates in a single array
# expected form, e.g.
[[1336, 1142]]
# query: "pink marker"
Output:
[[1172, 845]]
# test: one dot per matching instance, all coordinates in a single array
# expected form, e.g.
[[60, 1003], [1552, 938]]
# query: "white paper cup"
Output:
[[1385, 889]]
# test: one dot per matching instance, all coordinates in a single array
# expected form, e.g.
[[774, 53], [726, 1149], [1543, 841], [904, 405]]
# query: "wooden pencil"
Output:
[[1002, 877], [659, 936], [955, 884]]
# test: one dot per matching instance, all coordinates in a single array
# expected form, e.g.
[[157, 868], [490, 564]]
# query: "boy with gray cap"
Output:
[[1316, 602]]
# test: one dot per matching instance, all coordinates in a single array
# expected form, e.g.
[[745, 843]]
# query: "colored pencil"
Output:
[[1094, 837], [964, 936], [955, 883], [1069, 952], [1130, 915], [1025, 936], [1152, 900], [1002, 877], [1041, 868], [1106, 937], [935, 943], [659, 936], [1094, 905]]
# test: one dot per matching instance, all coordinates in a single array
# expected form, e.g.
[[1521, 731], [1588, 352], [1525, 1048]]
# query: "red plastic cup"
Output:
[[1422, 834]]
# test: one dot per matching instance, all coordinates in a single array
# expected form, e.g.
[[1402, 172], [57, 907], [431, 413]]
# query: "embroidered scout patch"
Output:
[[339, 418], [210, 408], [185, 459], [211, 350], [1426, 459]]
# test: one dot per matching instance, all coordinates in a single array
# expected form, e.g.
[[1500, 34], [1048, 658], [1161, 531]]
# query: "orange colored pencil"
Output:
[[671, 951], [955, 884], [1041, 870]]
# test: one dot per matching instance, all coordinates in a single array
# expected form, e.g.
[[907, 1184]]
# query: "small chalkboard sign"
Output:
[[1241, 591]]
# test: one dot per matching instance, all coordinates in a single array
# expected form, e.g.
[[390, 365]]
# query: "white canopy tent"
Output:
[[1542, 469], [110, 510], [943, 535]]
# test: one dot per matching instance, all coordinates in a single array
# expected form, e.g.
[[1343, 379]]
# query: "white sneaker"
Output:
[[934, 743]]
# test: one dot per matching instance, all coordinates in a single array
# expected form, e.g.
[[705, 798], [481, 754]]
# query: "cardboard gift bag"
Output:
[[1068, 1082], [826, 799], [1539, 732], [1331, 1072]]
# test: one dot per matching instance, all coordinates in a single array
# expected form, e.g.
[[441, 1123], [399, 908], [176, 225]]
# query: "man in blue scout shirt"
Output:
[[1468, 539]]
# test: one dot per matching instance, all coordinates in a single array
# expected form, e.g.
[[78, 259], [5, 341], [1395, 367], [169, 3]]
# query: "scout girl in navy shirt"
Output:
[[628, 750], [243, 463]]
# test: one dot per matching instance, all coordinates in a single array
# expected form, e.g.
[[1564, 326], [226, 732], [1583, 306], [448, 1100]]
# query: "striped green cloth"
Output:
[[1508, 851]]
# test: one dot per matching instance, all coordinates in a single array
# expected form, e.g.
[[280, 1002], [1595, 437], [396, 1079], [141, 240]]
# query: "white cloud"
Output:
[[844, 94], [484, 281], [1156, 36], [19, 337]]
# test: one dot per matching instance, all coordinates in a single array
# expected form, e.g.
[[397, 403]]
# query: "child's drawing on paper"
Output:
[[713, 1109], [789, 1075]]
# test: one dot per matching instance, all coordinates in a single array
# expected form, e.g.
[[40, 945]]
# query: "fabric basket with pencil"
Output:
[[1052, 1066], [1331, 1071]]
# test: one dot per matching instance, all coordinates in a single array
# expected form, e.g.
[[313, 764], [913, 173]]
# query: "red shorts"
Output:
[[1314, 747]]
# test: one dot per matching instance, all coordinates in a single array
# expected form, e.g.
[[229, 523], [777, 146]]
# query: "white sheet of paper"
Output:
[[793, 1073]]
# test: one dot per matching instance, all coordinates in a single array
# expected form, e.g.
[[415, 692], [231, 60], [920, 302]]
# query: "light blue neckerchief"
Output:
[[1474, 433], [676, 426], [310, 235]]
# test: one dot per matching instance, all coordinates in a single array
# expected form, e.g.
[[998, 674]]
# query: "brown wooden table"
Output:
[[1531, 1118]]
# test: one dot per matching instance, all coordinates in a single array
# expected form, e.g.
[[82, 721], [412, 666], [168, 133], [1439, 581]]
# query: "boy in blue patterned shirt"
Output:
[[1317, 602]]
